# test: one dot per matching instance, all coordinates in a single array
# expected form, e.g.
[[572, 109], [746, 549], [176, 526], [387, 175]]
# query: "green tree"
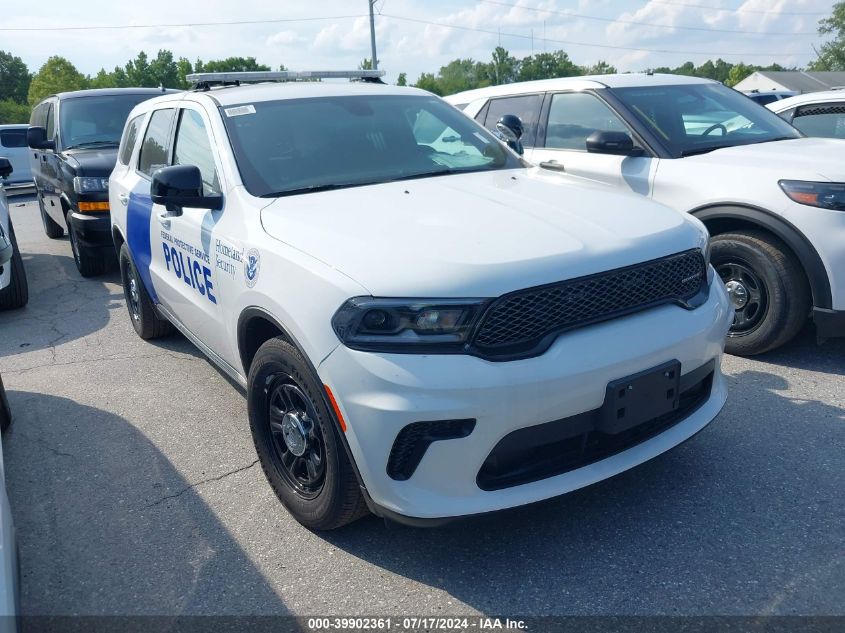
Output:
[[428, 81], [56, 75], [599, 68], [503, 68], [831, 55], [739, 72], [230, 65], [402, 80], [547, 66], [13, 112], [14, 78]]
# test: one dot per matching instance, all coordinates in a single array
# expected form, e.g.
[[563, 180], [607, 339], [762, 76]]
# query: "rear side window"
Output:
[[193, 147], [127, 143], [824, 119], [13, 138], [156, 146], [526, 107]]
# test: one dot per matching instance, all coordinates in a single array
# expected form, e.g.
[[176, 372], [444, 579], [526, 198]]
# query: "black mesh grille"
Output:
[[413, 441], [522, 319]]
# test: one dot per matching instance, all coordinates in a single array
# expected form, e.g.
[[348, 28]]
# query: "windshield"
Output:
[[697, 118], [93, 121], [303, 145]]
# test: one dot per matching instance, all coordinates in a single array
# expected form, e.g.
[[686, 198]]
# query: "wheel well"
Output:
[[254, 331], [117, 238], [718, 226], [65, 209]]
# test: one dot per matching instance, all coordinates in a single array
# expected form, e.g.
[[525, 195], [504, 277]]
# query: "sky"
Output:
[[415, 36]]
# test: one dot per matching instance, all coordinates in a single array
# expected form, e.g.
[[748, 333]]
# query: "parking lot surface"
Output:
[[135, 490]]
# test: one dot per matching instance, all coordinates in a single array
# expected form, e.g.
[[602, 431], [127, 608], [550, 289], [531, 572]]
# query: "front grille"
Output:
[[523, 320], [546, 450]]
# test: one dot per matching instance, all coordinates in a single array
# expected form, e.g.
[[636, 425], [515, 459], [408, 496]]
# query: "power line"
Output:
[[570, 14], [740, 9], [574, 43], [191, 24]]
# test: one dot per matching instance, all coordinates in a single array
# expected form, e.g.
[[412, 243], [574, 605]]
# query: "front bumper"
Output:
[[92, 232], [380, 394]]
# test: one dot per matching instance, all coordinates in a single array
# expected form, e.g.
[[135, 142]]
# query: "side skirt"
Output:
[[225, 367]]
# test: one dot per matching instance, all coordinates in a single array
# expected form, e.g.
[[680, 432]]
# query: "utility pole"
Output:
[[373, 34]]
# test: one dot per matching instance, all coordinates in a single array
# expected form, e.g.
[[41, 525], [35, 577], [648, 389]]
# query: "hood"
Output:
[[99, 161], [800, 158], [477, 235]]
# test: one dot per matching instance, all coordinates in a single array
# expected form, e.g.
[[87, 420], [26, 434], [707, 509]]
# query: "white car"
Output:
[[815, 113], [14, 292], [424, 326], [773, 201]]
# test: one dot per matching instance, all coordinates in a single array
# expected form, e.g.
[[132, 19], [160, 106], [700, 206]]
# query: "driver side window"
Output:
[[573, 116]]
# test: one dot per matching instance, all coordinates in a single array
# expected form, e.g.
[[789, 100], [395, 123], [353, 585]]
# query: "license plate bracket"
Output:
[[641, 397]]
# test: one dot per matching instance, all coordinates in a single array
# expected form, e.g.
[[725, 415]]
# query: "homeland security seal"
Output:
[[252, 265]]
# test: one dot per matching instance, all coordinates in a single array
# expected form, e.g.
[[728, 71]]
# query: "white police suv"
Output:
[[773, 201], [424, 326], [14, 292]]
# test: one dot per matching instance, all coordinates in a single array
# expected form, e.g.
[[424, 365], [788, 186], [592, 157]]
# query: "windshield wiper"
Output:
[[93, 144], [313, 189], [701, 150]]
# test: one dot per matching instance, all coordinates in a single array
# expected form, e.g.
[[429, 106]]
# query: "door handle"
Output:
[[553, 165], [124, 199], [164, 220]]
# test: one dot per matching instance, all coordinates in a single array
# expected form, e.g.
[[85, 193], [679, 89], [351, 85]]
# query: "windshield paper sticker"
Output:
[[240, 110]]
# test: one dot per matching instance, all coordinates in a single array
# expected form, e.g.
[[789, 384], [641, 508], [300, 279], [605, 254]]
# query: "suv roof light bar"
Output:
[[206, 80]]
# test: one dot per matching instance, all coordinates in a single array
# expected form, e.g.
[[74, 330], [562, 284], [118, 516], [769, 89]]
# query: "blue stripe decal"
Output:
[[138, 214]]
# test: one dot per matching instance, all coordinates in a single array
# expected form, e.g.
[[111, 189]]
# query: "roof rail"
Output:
[[203, 81]]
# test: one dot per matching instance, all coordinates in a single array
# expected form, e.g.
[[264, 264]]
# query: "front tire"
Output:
[[142, 313], [52, 228], [768, 289], [87, 263], [16, 294], [298, 442]]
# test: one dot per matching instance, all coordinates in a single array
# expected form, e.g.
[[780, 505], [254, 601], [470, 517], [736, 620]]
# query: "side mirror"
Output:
[[509, 129], [5, 168], [181, 186], [607, 142], [36, 138]]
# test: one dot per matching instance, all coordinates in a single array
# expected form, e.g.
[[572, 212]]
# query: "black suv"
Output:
[[74, 137]]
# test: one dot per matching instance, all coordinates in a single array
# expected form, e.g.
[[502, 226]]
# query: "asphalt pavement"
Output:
[[134, 487]]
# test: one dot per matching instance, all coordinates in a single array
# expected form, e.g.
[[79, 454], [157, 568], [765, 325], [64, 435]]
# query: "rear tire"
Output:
[[5, 410], [142, 313], [768, 289], [52, 228], [87, 263], [16, 294], [297, 440]]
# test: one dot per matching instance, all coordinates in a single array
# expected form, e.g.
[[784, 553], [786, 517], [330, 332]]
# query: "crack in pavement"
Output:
[[199, 483]]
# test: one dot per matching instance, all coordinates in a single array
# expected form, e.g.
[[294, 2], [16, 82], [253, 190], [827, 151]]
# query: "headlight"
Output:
[[87, 184], [409, 325], [826, 195]]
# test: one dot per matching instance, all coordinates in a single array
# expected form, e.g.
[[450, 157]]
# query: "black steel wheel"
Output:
[[768, 289], [748, 293], [145, 320], [298, 440], [299, 448]]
